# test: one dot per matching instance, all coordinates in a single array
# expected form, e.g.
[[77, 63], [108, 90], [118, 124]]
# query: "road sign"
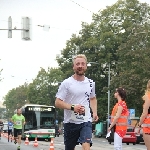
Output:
[[132, 113]]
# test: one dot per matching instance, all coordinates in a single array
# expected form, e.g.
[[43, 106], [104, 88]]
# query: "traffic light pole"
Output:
[[25, 30]]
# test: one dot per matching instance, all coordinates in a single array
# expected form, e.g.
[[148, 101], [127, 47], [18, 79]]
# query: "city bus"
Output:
[[40, 121]]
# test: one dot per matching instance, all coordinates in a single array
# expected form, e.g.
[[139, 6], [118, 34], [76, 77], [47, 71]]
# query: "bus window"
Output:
[[31, 122], [47, 119]]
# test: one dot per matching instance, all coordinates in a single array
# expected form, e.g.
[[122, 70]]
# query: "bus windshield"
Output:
[[39, 117]]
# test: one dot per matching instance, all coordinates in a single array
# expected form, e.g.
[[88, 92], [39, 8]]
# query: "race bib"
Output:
[[18, 122], [80, 117], [10, 127]]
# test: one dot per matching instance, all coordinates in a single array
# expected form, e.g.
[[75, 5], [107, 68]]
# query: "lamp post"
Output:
[[108, 95], [89, 63], [108, 108]]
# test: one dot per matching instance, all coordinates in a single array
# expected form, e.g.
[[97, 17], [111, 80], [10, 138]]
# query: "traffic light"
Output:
[[9, 27], [25, 28]]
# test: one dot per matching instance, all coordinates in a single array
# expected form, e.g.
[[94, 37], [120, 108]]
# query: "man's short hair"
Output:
[[80, 56]]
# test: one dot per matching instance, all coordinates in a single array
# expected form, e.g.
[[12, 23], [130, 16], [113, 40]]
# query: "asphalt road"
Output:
[[98, 144], [5, 145]]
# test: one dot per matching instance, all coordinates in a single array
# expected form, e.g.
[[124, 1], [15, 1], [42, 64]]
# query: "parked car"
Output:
[[130, 137], [139, 136]]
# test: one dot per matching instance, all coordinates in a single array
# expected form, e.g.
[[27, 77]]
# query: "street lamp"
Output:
[[108, 109], [90, 63], [108, 95]]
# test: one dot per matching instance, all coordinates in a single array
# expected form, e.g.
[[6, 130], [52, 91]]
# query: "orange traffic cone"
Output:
[[35, 144], [26, 141], [51, 144]]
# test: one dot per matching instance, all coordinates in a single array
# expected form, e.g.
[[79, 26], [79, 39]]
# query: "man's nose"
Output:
[[80, 65]]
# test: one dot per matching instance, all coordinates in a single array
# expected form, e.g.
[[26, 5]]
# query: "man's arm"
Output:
[[23, 120], [93, 105], [61, 104]]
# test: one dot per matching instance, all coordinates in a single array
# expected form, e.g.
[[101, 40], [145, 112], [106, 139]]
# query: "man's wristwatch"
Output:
[[72, 107]]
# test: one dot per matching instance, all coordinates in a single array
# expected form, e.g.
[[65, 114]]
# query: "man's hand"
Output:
[[95, 117], [79, 109]]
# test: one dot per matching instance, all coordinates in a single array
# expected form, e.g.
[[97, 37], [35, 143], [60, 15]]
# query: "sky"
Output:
[[21, 60]]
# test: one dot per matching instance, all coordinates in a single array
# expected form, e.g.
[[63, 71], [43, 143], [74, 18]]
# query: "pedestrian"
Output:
[[10, 130], [119, 118], [76, 95], [1, 128], [18, 120], [145, 117]]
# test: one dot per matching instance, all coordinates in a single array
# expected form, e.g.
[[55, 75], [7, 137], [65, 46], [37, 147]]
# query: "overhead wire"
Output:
[[39, 25], [81, 6], [57, 27]]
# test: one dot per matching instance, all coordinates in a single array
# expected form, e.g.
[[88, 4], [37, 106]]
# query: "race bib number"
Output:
[[80, 117], [18, 122]]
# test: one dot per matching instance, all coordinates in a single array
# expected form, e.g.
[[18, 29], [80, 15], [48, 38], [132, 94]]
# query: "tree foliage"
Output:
[[15, 98], [44, 86], [111, 39], [41, 91]]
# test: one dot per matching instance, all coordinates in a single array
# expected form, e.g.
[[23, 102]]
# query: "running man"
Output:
[[19, 121], [76, 95], [10, 130], [1, 128]]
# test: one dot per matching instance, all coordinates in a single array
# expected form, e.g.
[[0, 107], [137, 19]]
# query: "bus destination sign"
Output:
[[39, 109]]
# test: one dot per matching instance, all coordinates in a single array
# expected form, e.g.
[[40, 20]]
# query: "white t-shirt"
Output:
[[76, 92]]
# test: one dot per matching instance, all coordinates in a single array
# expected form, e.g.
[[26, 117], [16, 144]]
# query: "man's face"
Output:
[[19, 112], [79, 66]]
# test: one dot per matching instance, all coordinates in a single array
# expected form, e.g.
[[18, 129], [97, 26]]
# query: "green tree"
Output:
[[134, 66], [101, 41], [2, 113], [44, 86], [15, 98]]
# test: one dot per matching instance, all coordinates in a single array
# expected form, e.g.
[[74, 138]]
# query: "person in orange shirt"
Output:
[[145, 117], [119, 118]]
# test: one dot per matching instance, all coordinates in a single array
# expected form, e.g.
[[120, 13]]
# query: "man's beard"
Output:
[[80, 73]]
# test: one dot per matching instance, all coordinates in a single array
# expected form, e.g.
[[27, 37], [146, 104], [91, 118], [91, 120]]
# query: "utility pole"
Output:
[[25, 28], [108, 111]]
